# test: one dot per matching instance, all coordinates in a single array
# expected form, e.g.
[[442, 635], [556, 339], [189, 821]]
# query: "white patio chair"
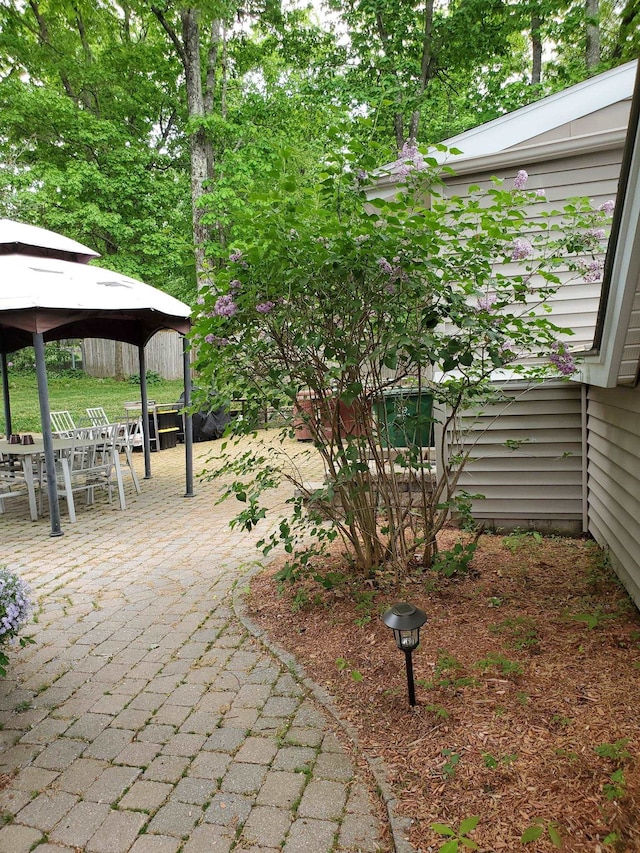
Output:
[[91, 463], [125, 438], [97, 416], [62, 424]]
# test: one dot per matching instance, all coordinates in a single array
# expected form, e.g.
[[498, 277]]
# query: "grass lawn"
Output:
[[74, 393]]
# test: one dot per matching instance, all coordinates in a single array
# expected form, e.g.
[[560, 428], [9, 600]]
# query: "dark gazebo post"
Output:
[[188, 423], [144, 400], [43, 396], [5, 395]]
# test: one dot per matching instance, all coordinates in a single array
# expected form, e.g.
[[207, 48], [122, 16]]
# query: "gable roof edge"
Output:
[[550, 112]]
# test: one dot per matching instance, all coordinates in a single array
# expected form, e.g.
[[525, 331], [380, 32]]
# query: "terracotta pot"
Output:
[[307, 410]]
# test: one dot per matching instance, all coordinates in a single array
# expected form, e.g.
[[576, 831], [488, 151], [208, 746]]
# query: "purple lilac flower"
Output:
[[521, 249], [15, 606], [236, 255], [390, 289], [520, 180], [541, 193], [385, 266], [200, 300], [486, 302], [234, 285], [607, 206], [265, 307], [214, 340], [591, 270], [225, 306], [562, 359], [598, 233], [410, 160]]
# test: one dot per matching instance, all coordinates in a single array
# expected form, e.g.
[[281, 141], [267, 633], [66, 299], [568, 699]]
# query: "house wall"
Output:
[[163, 356], [613, 425], [591, 173], [628, 372], [528, 459]]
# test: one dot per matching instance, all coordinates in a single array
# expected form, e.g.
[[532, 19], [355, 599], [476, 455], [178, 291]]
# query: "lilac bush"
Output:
[[342, 295], [15, 611]]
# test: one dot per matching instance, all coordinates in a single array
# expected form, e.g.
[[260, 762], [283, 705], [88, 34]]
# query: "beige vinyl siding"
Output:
[[628, 372], [527, 459], [614, 478], [592, 174]]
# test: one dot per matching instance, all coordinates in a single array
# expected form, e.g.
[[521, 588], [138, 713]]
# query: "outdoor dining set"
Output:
[[87, 457]]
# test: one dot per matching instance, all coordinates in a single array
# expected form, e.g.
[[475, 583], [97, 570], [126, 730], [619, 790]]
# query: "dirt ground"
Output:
[[527, 684]]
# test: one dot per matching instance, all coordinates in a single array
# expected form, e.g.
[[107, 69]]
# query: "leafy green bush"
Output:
[[340, 296]]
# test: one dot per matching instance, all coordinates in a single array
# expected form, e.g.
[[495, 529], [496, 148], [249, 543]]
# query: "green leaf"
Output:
[[530, 834], [555, 836], [468, 825], [442, 829], [449, 846]]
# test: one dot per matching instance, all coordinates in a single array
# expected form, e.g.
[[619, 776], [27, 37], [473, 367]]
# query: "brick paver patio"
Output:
[[145, 718]]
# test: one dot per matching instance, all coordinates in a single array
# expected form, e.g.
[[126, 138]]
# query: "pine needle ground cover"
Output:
[[527, 683]]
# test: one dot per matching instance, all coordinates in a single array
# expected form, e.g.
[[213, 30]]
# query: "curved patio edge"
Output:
[[399, 826]]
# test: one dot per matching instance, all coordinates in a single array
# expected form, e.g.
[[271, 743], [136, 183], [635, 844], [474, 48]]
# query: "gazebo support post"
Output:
[[49, 461], [145, 412], [188, 423], [8, 429]]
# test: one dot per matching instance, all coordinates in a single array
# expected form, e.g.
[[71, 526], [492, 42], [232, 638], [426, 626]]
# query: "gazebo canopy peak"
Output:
[[20, 238]]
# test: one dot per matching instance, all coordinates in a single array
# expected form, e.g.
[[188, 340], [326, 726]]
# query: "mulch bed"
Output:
[[527, 684]]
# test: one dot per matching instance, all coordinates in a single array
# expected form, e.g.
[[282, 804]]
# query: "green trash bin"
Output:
[[404, 418]]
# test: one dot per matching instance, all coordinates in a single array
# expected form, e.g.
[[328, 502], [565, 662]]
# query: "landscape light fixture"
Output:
[[406, 620]]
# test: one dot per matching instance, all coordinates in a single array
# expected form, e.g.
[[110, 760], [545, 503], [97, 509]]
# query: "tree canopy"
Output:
[[141, 127]]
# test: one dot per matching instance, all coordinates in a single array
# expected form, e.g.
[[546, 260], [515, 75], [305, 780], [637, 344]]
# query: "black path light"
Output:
[[406, 620]]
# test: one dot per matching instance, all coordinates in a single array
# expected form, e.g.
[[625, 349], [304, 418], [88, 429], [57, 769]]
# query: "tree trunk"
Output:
[[198, 139], [536, 50], [592, 12], [119, 362], [425, 75]]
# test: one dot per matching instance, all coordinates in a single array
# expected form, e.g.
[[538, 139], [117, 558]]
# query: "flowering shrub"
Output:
[[343, 297], [15, 610]]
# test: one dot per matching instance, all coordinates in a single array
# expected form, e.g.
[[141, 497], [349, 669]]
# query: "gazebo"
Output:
[[49, 292]]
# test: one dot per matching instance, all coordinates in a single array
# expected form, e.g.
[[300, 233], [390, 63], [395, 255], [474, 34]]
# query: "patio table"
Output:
[[32, 454], [28, 455]]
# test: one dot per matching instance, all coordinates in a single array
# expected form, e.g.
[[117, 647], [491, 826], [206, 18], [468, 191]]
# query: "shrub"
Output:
[[342, 297], [15, 610]]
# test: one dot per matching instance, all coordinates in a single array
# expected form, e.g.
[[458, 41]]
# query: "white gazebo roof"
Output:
[[49, 288]]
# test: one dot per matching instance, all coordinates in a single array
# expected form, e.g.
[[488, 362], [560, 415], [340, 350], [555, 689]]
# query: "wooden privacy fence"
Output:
[[105, 358]]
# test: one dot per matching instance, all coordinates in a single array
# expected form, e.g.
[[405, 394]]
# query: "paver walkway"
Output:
[[145, 718]]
